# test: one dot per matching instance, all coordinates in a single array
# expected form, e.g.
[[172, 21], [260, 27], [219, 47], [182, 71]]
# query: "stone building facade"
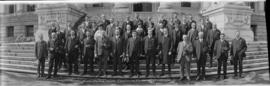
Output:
[[25, 20]]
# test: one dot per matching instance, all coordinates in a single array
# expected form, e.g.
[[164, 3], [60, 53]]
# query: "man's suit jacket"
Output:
[[176, 38], [201, 49], [110, 30], [52, 45], [208, 25], [134, 46], [89, 45], [150, 44], [41, 50], [166, 46], [213, 37], [221, 48], [72, 45], [117, 46], [238, 47], [184, 50]]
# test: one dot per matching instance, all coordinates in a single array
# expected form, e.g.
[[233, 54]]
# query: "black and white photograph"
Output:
[[140, 42]]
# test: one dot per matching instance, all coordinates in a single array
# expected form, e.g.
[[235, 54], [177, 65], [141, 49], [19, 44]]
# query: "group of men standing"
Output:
[[127, 42]]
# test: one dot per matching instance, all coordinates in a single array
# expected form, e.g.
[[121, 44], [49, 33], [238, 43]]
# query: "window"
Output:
[[29, 30], [11, 8], [185, 4], [142, 7], [98, 5], [10, 31], [30, 8]]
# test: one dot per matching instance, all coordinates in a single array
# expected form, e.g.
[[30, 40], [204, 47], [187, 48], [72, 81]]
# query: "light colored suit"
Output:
[[184, 53]]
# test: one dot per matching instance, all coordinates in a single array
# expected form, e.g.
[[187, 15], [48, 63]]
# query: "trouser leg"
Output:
[[153, 64], [187, 65], [147, 64], [51, 61], [56, 65], [85, 59], [219, 67], [235, 66], [240, 66], [137, 65], [169, 68], [225, 68], [91, 63], [39, 67], [115, 64]]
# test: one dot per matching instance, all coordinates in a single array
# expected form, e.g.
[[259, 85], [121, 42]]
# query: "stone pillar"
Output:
[[166, 7], [121, 7], [61, 14], [19, 8], [231, 17]]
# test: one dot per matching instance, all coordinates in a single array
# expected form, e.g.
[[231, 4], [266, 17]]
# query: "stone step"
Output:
[[32, 65], [175, 72], [126, 77], [21, 58], [142, 66], [32, 54]]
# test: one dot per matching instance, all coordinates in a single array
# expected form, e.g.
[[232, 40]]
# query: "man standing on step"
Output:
[[102, 49], [88, 51], [238, 49], [53, 59], [134, 50], [221, 49], [117, 52], [150, 49], [184, 55], [213, 36], [166, 45], [41, 53], [201, 50], [72, 52]]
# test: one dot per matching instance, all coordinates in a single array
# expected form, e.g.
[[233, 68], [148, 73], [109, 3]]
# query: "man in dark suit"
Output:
[[221, 54], [72, 52], [81, 34], [150, 49], [110, 28], [117, 52], [208, 24], [201, 49], [166, 51], [134, 50], [53, 59], [213, 36], [41, 53], [88, 52], [176, 35], [61, 39], [237, 52]]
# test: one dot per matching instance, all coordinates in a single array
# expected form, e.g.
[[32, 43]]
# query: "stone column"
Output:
[[121, 7], [61, 14], [20, 8], [231, 17], [166, 7]]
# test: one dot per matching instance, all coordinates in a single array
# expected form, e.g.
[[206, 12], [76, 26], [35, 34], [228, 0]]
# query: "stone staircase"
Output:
[[19, 57]]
